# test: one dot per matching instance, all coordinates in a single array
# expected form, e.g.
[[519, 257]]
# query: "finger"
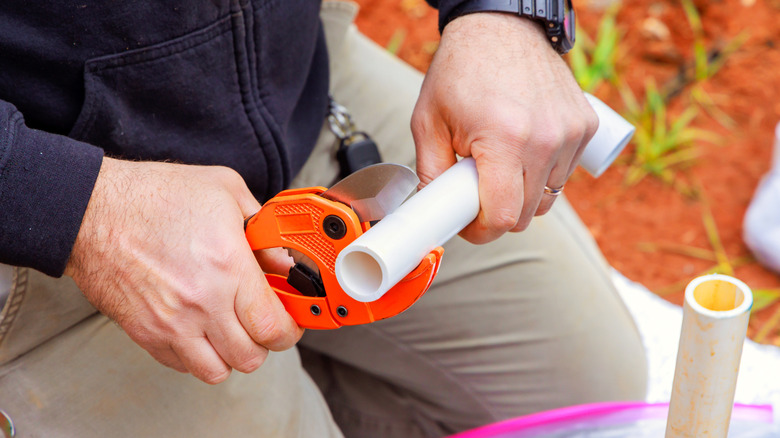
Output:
[[532, 194], [433, 144], [576, 140], [558, 177], [591, 126], [548, 197], [234, 345], [263, 316], [500, 182], [166, 356], [201, 359]]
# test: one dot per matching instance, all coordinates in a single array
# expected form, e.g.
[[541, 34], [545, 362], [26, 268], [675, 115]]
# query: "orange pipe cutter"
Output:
[[309, 224]]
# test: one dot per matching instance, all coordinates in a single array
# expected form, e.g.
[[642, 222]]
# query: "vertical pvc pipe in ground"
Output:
[[386, 253], [715, 318]]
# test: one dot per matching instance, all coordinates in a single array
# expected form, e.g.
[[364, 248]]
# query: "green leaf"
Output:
[[763, 298], [396, 41]]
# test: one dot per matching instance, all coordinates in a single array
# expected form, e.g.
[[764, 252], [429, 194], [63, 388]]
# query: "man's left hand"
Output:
[[497, 91]]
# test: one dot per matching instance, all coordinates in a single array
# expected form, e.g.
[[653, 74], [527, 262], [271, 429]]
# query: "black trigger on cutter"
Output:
[[306, 281]]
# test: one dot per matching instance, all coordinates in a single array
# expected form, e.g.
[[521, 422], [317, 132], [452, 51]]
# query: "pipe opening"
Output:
[[718, 295], [361, 274]]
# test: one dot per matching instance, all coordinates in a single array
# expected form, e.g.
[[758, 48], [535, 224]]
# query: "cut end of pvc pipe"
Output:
[[719, 295], [361, 275], [608, 142]]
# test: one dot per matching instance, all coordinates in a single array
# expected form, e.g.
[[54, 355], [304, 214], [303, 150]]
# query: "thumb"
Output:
[[433, 144], [263, 316]]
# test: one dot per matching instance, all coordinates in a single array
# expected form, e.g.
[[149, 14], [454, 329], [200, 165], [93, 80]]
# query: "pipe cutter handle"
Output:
[[320, 228]]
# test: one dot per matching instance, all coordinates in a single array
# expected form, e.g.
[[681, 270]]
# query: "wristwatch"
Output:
[[557, 16]]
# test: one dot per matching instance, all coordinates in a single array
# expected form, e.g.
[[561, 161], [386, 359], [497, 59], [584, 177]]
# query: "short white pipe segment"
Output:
[[383, 255], [716, 311], [386, 253], [610, 139]]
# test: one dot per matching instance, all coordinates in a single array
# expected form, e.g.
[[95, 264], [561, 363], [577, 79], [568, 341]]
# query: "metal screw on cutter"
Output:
[[342, 311], [315, 310], [334, 227]]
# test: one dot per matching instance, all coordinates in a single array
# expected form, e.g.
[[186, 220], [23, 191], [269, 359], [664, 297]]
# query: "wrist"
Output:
[[499, 29], [95, 224]]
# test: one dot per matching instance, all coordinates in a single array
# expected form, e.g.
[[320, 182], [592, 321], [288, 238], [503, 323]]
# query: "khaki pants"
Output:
[[527, 323]]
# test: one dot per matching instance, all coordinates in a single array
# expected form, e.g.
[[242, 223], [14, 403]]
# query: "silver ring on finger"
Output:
[[553, 191]]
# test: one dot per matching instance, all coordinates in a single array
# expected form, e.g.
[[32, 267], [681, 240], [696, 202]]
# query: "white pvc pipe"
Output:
[[383, 255], [715, 318], [612, 136], [386, 253]]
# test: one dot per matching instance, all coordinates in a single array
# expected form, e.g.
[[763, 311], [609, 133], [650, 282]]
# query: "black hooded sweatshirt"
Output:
[[239, 83]]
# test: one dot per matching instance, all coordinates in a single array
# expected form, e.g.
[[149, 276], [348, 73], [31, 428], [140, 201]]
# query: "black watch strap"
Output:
[[536, 10], [471, 6]]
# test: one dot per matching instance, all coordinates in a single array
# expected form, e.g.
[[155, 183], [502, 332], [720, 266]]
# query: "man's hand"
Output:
[[161, 250], [498, 91]]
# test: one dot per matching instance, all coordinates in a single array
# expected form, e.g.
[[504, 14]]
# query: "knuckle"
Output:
[[591, 124], [425, 176], [252, 363], [223, 255], [227, 174], [229, 178], [576, 132], [196, 296], [142, 337], [551, 140], [502, 220], [546, 143], [419, 122], [268, 332], [517, 132]]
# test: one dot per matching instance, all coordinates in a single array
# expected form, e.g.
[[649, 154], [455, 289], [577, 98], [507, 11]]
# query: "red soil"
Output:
[[624, 219]]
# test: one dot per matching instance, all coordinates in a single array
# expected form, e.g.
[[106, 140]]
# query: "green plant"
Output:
[[396, 41], [702, 69], [763, 298], [662, 144], [706, 63], [771, 324], [591, 62]]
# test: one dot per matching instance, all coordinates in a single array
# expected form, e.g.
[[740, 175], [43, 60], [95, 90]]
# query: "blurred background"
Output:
[[700, 79]]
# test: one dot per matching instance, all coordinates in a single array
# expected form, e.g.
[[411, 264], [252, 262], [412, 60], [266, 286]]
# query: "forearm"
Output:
[[45, 184]]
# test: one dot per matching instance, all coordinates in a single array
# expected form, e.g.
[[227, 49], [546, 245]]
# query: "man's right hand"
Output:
[[162, 251]]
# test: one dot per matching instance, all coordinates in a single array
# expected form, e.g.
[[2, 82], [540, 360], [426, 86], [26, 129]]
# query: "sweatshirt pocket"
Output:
[[179, 100]]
